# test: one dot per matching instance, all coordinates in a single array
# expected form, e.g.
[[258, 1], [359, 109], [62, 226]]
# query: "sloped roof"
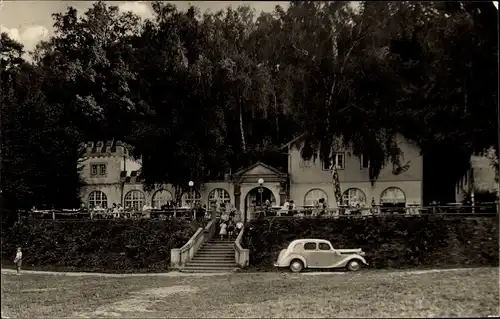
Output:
[[268, 167], [287, 145]]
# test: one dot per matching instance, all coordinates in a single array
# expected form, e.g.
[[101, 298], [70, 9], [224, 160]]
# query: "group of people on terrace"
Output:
[[319, 208]]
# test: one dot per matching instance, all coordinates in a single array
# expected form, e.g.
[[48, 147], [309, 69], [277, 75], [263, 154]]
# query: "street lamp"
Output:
[[261, 190], [191, 184]]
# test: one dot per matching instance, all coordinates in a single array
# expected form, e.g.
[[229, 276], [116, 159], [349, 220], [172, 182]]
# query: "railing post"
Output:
[[53, 215], [473, 201], [175, 257]]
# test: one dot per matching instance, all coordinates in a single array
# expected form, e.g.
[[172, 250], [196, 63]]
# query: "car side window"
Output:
[[310, 246], [324, 246]]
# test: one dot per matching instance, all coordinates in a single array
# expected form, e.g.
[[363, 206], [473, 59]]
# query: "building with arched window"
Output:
[[161, 197], [112, 176]]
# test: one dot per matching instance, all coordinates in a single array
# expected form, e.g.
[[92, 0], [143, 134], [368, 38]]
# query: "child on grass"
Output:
[[18, 260]]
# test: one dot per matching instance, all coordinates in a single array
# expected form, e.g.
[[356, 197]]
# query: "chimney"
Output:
[[100, 146]]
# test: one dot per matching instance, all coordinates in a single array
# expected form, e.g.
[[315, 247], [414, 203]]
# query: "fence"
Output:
[[103, 214], [486, 209], [302, 212]]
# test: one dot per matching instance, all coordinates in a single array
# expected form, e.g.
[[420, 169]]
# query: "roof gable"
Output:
[[258, 168]]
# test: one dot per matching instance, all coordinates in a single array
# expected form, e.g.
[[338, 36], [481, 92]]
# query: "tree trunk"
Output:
[[277, 118], [335, 180], [242, 132]]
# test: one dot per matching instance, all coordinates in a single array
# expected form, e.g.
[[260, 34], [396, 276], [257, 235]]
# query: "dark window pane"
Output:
[[310, 246]]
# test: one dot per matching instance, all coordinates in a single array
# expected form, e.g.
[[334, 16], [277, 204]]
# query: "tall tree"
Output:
[[39, 153]]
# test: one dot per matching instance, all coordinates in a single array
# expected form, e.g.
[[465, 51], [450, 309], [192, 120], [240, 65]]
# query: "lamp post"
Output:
[[495, 3], [261, 190], [191, 184]]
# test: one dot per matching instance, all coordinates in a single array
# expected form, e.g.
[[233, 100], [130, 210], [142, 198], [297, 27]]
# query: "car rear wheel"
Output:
[[354, 265], [296, 266]]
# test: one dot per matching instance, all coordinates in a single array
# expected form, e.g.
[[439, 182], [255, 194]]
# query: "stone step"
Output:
[[217, 250], [219, 246], [229, 242], [210, 265], [212, 260], [215, 257], [218, 256], [210, 271]]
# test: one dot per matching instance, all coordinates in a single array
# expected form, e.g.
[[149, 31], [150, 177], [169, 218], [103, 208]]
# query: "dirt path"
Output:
[[93, 274], [181, 274], [136, 305]]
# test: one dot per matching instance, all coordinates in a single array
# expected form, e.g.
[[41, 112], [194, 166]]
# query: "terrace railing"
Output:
[[304, 211], [64, 214], [344, 211]]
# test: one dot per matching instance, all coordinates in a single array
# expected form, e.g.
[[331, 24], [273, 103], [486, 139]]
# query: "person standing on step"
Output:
[[18, 260], [230, 229], [223, 230], [239, 226]]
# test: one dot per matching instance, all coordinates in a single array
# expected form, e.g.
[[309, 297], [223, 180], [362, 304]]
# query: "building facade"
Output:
[[112, 176], [311, 180], [479, 178]]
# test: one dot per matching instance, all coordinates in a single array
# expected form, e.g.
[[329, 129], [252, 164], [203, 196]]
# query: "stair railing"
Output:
[[241, 255], [180, 256]]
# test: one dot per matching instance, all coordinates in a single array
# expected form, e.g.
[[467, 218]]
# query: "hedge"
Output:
[[96, 245], [396, 242]]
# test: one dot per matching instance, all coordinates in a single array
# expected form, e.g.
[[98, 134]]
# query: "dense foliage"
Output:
[[392, 242], [99, 245], [215, 92]]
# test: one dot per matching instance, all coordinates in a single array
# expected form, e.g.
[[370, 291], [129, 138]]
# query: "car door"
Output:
[[326, 256], [310, 253]]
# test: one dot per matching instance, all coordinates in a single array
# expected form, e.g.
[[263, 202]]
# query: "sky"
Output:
[[29, 22]]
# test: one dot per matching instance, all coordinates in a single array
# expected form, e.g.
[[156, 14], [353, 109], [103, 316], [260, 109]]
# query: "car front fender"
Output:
[[348, 258]]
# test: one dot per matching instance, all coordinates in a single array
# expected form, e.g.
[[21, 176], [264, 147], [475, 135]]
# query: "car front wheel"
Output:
[[296, 266], [354, 265]]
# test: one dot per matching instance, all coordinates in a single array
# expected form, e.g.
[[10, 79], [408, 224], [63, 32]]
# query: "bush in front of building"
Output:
[[390, 242], [96, 245]]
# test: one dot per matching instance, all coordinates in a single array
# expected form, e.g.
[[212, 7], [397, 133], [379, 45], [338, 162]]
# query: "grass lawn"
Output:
[[464, 293]]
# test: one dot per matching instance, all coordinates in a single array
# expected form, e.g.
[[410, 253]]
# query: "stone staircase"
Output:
[[214, 256]]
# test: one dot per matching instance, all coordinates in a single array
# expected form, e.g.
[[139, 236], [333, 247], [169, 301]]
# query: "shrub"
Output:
[[97, 245], [390, 242]]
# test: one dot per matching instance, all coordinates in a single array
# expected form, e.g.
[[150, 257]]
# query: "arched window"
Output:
[[190, 199], [219, 194], [353, 197], [313, 196], [134, 199], [98, 198], [161, 197], [393, 196]]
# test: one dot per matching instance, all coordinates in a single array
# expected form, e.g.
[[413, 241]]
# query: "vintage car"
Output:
[[319, 253]]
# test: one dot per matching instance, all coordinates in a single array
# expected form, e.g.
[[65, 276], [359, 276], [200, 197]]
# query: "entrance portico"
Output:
[[247, 195]]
